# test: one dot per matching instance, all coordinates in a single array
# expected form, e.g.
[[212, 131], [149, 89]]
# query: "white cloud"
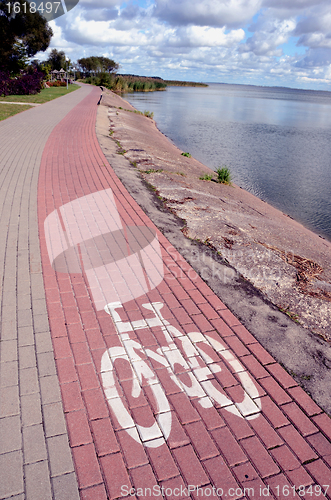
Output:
[[201, 36], [207, 12], [269, 37], [205, 40]]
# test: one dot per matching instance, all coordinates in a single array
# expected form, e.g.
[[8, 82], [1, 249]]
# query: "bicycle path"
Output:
[[216, 415]]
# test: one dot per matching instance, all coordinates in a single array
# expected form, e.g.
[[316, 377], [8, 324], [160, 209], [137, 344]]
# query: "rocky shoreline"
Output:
[[274, 274], [288, 263]]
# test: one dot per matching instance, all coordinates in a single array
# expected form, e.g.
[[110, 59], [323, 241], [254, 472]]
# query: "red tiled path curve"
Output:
[[276, 443]]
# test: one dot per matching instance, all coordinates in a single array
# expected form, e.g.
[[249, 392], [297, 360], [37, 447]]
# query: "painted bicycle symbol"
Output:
[[192, 355], [122, 263]]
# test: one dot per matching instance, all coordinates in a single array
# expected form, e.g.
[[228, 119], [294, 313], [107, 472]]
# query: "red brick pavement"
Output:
[[284, 451]]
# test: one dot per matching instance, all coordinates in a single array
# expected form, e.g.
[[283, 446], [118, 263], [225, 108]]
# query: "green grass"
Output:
[[223, 175], [206, 177], [188, 155], [7, 110], [149, 114], [44, 95], [152, 171]]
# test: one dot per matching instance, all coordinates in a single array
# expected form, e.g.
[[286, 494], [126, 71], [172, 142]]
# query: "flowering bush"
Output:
[[21, 85], [57, 83]]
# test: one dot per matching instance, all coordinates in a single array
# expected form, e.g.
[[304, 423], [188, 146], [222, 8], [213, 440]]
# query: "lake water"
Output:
[[276, 141]]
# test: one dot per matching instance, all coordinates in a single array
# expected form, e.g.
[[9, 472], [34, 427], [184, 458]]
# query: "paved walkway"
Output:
[[111, 342]]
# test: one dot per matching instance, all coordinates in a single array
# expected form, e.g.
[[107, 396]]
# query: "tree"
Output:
[[109, 65], [99, 64], [22, 34], [57, 59]]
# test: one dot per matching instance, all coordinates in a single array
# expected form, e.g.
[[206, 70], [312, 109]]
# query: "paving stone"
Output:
[[8, 351], [201, 440], [266, 432], [229, 447], [27, 357], [24, 317], [65, 487], [264, 464], [104, 437], [37, 481], [94, 493], [190, 466], [54, 420], [134, 453], [50, 389], [285, 458], [321, 444], [59, 455], [9, 397], [305, 401], [87, 466], [46, 364], [8, 329], [323, 421], [31, 409], [9, 313], [39, 306], [43, 342], [11, 474], [9, 374], [297, 443], [28, 381], [34, 446], [10, 434], [40, 323], [320, 472], [78, 428], [220, 475], [299, 419], [162, 461], [25, 336], [142, 478]]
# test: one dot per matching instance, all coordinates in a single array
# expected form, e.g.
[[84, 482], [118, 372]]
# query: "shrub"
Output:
[[149, 114], [57, 83], [5, 83], [223, 175], [187, 154], [22, 85]]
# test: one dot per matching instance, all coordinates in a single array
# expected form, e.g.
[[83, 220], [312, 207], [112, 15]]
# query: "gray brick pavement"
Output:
[[35, 458]]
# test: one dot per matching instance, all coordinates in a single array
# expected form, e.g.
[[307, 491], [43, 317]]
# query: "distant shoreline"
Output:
[[179, 83]]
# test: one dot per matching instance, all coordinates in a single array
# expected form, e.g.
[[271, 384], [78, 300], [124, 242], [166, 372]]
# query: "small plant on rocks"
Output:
[[223, 175]]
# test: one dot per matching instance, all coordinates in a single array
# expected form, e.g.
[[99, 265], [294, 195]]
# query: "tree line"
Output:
[[23, 34]]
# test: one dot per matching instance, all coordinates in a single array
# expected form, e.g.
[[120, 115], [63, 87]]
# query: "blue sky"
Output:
[[259, 42]]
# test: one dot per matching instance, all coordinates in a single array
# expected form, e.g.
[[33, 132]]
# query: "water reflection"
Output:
[[277, 142]]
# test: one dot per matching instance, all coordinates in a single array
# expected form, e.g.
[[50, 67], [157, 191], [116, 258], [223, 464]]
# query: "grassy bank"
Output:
[[132, 83], [126, 83], [44, 95], [7, 110]]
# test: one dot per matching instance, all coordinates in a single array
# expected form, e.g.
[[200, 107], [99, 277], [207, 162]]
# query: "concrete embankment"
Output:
[[271, 271]]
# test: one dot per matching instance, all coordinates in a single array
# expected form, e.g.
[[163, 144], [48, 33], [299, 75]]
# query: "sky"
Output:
[[258, 42]]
